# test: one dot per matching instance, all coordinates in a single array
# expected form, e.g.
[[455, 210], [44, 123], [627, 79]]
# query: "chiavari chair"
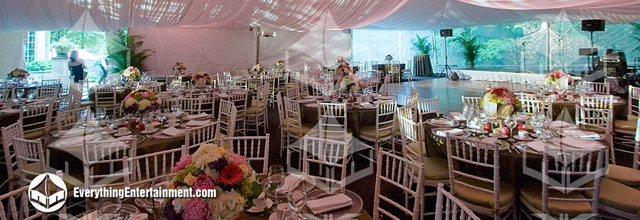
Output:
[[484, 194], [30, 160], [557, 198], [383, 130], [103, 154], [625, 130], [36, 119], [194, 137], [597, 120], [629, 176], [598, 88], [70, 118], [227, 115], [8, 134], [403, 175], [257, 113], [473, 101], [427, 108], [255, 149], [143, 170], [326, 154], [190, 105], [295, 128], [105, 97], [47, 92], [450, 207], [239, 100]]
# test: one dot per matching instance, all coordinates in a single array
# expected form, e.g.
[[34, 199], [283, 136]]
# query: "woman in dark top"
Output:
[[76, 66]]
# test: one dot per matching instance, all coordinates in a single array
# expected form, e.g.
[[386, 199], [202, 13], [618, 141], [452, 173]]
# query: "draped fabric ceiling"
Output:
[[303, 15]]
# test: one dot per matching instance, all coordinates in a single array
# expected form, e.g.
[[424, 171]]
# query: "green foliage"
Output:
[[637, 26], [470, 47], [126, 50], [421, 45], [498, 52], [38, 66], [92, 42], [63, 46]]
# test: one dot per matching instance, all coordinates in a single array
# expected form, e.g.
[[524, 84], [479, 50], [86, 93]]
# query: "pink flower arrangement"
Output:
[[554, 77], [238, 160], [204, 182], [196, 209], [179, 66], [505, 99], [184, 161]]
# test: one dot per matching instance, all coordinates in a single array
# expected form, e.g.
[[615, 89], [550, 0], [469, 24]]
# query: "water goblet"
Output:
[[18, 96], [297, 199], [275, 178], [32, 95], [109, 208]]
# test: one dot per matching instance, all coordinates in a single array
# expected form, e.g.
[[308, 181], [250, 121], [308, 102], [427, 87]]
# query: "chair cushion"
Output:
[[257, 103], [253, 110], [34, 134], [370, 131], [624, 175], [594, 129], [626, 125], [336, 136], [532, 194], [306, 128], [481, 198], [618, 196], [436, 168]]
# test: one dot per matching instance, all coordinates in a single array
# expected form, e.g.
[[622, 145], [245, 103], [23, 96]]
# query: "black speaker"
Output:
[[446, 32], [593, 25]]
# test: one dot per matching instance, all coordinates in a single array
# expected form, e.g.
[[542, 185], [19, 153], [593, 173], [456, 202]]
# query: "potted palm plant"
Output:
[[470, 47], [421, 61]]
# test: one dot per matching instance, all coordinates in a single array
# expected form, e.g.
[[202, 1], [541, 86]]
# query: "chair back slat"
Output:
[[205, 134], [450, 207], [8, 134], [144, 169], [332, 120], [227, 118], [598, 88], [592, 117], [252, 148], [466, 100], [107, 153], [326, 154], [398, 173], [598, 102]]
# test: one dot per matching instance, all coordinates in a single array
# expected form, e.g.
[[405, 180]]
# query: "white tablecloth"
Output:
[[502, 76]]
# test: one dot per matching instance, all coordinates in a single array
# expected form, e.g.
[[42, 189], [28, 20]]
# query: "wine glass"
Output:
[[32, 95], [109, 208], [18, 96], [101, 113], [275, 178], [297, 199], [511, 122], [148, 122]]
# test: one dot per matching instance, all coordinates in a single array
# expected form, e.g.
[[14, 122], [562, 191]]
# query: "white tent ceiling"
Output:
[[303, 14]]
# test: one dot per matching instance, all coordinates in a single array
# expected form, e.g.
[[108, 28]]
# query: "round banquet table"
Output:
[[62, 156], [619, 108], [511, 162], [356, 117]]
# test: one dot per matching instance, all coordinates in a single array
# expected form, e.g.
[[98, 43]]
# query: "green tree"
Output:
[[470, 47], [93, 42], [126, 50]]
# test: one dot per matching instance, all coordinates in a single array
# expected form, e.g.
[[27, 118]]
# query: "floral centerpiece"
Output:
[[212, 167], [558, 78], [280, 64], [18, 74], [132, 73], [141, 101], [201, 75], [507, 102], [340, 60], [349, 82], [257, 68], [179, 67]]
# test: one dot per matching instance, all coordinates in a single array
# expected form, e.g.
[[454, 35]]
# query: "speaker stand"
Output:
[[447, 69]]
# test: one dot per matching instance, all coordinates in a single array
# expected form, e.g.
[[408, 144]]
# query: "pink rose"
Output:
[[196, 209], [203, 182], [145, 95], [184, 161], [238, 160]]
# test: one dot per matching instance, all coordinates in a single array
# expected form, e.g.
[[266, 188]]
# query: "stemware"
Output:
[[18, 96], [32, 95], [297, 199], [275, 178], [511, 122]]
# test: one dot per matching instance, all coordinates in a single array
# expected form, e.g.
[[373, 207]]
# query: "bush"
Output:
[[38, 66]]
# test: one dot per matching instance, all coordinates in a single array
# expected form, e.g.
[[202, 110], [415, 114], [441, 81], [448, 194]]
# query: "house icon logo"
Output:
[[47, 193]]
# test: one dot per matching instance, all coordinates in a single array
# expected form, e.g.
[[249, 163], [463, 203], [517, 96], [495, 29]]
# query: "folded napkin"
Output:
[[538, 146], [579, 143], [560, 124], [490, 140], [223, 95], [582, 134], [173, 132], [197, 123], [457, 116], [366, 105], [198, 116], [373, 94], [290, 183], [126, 137], [455, 131], [385, 97], [304, 101], [330, 203]]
